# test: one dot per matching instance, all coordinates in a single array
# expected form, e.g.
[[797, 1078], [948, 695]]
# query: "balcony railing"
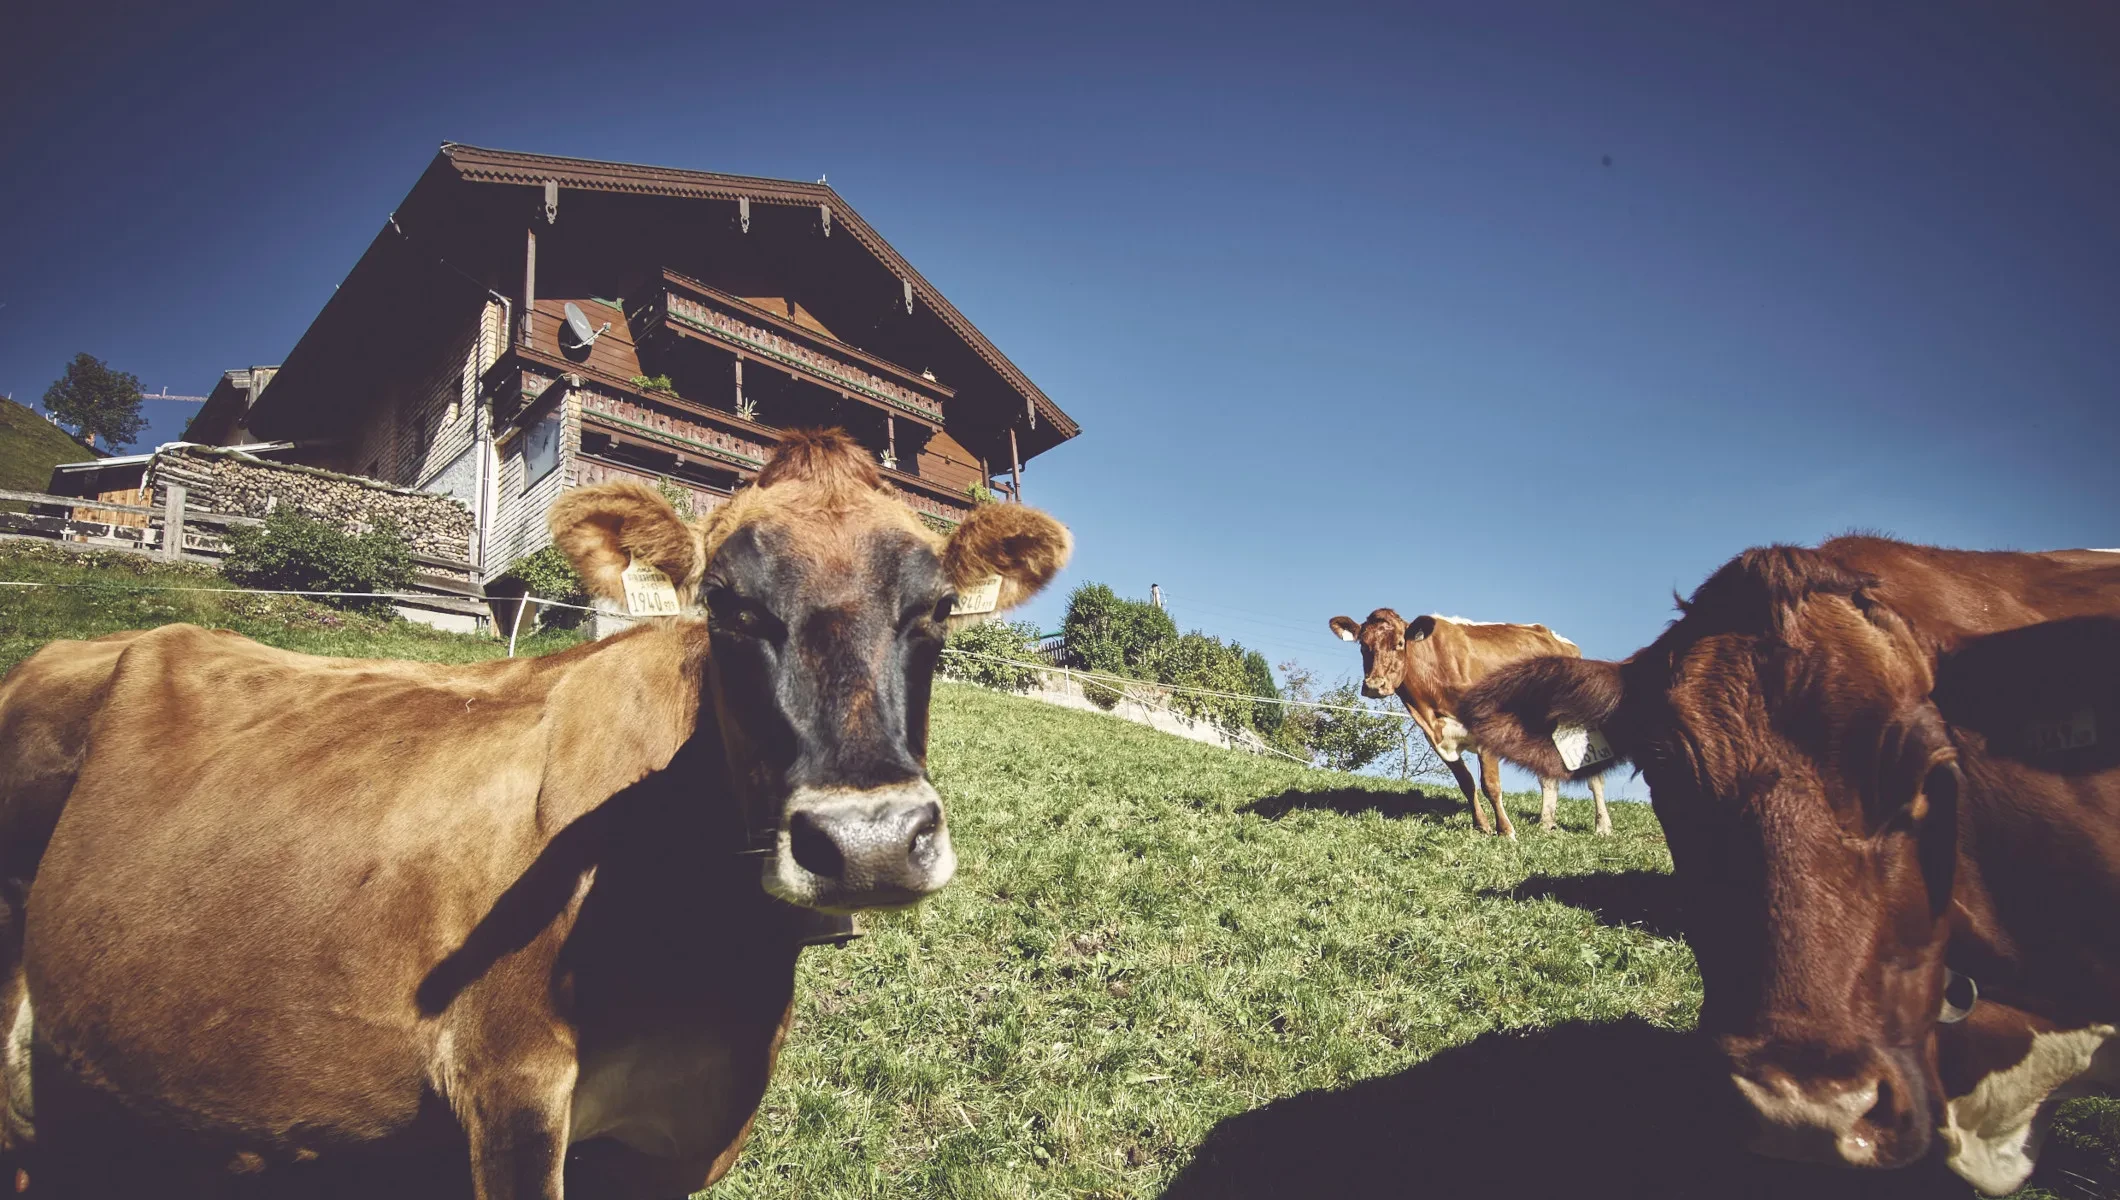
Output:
[[696, 309], [678, 432], [685, 427]]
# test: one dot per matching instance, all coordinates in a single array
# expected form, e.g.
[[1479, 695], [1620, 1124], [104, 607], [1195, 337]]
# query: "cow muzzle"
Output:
[[840, 850], [1375, 690], [1873, 1116]]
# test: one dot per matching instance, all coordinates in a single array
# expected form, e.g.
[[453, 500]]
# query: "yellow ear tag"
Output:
[[981, 597], [649, 592], [1581, 747]]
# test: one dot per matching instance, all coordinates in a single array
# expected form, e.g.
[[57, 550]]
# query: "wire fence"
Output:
[[514, 627], [1140, 691]]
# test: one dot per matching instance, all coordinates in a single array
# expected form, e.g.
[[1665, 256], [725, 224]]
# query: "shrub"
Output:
[[295, 552], [548, 575], [1195, 660], [991, 640], [1258, 680], [1118, 637], [679, 496]]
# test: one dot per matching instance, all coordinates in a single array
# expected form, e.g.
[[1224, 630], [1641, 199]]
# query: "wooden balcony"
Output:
[[691, 309], [667, 422]]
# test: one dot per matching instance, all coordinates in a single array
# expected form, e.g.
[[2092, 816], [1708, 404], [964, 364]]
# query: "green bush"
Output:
[[1115, 636], [992, 640], [1195, 660], [548, 575], [294, 552], [1258, 680]]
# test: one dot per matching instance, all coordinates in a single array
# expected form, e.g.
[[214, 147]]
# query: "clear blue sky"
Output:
[[1348, 302]]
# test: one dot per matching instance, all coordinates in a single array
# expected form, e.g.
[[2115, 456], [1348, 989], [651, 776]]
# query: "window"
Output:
[[541, 446]]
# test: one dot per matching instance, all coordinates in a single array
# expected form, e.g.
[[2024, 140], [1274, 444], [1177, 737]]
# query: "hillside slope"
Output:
[[1167, 969], [30, 447]]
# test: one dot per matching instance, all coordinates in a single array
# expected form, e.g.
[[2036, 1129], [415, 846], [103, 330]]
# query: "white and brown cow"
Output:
[[1429, 663], [309, 926]]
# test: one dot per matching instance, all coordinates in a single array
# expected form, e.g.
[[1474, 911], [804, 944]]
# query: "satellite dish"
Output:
[[578, 325]]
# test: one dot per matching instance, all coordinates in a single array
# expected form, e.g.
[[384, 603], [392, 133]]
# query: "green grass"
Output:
[[1169, 970], [97, 592], [30, 447]]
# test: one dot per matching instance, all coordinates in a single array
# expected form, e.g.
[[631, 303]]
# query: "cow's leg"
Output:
[[1491, 779], [1472, 793], [507, 1067], [1604, 817], [1549, 799], [518, 1141]]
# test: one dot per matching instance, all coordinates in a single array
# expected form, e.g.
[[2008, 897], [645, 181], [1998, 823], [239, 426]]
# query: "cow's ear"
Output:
[[1419, 629], [1023, 546], [2047, 695], [1516, 711], [1345, 629], [604, 527]]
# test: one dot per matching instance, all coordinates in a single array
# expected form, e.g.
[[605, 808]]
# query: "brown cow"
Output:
[[1872, 760], [504, 929], [1429, 663]]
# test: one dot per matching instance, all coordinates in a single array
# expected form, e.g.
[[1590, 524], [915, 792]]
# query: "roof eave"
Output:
[[478, 164]]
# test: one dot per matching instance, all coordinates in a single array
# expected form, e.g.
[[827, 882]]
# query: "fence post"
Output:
[[173, 523]]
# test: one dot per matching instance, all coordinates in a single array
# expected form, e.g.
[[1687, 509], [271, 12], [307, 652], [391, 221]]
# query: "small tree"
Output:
[[1336, 740], [1349, 741], [97, 402], [299, 553]]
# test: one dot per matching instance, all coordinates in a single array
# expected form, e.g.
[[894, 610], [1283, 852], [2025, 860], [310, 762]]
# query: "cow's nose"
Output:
[[862, 849], [1874, 1115]]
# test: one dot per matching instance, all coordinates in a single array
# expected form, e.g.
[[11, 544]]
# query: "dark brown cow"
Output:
[[1429, 663], [502, 929], [1873, 759]]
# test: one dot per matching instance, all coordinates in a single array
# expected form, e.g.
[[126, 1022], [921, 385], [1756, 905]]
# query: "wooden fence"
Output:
[[198, 536]]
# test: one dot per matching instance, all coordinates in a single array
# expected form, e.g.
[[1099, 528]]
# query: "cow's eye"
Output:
[[944, 607], [728, 612]]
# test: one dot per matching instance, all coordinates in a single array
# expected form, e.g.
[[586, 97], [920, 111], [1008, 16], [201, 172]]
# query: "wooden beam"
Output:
[[529, 285], [1015, 466], [173, 521]]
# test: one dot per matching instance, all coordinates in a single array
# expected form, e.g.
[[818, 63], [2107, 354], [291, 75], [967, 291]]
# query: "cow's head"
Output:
[[826, 604], [1383, 638], [1808, 789]]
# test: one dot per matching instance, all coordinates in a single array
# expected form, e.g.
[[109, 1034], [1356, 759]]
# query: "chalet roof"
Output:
[[480, 165]]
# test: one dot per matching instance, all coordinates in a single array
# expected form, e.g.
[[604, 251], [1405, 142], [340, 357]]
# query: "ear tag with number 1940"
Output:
[[1581, 746], [649, 592], [981, 597]]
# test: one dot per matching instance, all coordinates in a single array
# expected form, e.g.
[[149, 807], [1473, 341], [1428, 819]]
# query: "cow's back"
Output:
[[1458, 654], [1952, 595], [262, 856]]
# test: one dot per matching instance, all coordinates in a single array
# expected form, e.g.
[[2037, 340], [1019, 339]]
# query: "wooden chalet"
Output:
[[724, 309]]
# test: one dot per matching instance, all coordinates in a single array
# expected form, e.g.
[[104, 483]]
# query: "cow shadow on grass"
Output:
[[1618, 1110], [1352, 802], [1645, 900]]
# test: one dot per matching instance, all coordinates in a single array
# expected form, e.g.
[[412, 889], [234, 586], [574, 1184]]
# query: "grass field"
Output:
[[1169, 970], [30, 447], [92, 593]]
